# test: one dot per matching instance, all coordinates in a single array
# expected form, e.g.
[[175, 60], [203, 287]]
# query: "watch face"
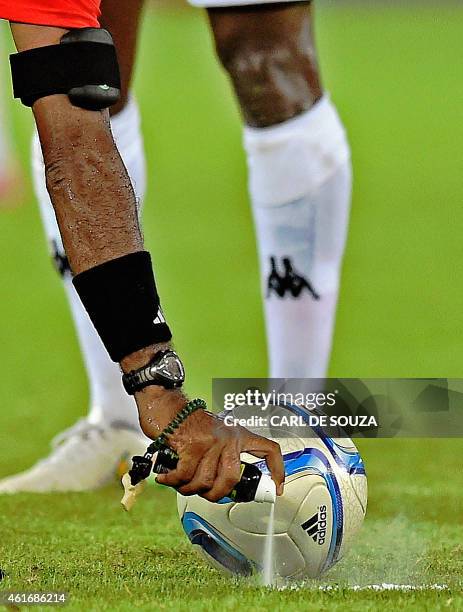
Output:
[[169, 367]]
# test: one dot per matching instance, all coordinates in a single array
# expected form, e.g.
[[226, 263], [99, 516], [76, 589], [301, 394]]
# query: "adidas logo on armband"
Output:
[[159, 318]]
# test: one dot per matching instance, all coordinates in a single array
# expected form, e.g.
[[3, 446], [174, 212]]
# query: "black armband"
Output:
[[121, 299], [84, 66]]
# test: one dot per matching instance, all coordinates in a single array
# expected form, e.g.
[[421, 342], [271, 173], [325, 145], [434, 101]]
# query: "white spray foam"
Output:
[[268, 577]]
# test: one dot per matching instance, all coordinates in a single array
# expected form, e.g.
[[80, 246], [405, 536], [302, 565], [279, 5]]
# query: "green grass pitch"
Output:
[[395, 75]]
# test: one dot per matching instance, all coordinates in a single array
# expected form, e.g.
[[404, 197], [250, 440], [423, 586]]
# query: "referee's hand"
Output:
[[208, 450]]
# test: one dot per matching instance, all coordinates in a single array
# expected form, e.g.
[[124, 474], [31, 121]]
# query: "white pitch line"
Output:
[[404, 588], [391, 587]]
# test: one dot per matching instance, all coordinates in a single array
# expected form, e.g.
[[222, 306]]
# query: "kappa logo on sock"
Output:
[[60, 260], [290, 283]]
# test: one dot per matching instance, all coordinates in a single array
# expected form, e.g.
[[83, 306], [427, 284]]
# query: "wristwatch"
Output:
[[165, 370]]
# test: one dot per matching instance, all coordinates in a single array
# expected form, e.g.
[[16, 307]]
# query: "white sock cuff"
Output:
[[126, 125], [293, 159]]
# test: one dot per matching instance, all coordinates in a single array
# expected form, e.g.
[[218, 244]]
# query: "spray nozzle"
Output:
[[266, 490]]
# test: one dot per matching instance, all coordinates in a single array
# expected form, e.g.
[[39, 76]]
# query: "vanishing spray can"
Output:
[[253, 484]]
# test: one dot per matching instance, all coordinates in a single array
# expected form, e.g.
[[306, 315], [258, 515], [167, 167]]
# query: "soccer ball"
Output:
[[316, 519]]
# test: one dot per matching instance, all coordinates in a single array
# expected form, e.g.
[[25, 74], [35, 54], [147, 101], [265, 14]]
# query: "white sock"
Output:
[[300, 183], [108, 401]]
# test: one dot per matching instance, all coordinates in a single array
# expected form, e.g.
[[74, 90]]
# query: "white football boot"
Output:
[[84, 457]]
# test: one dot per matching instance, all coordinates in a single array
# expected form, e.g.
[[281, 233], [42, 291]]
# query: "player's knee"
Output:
[[274, 79]]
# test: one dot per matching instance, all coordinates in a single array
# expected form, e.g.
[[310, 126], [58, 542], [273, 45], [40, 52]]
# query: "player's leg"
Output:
[[92, 198], [97, 215], [111, 409], [111, 427], [59, 121], [299, 174]]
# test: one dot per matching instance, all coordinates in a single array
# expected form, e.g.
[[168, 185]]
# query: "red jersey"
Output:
[[67, 14]]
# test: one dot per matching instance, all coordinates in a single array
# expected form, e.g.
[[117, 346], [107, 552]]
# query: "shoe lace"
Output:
[[66, 444], [81, 429]]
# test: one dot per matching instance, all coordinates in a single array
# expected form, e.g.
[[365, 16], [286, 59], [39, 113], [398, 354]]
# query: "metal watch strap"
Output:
[[156, 372]]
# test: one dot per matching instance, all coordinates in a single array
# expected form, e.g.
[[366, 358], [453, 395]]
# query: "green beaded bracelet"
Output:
[[180, 417]]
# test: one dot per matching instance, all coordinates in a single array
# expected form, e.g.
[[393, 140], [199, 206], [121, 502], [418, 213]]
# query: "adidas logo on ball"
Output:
[[315, 527]]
